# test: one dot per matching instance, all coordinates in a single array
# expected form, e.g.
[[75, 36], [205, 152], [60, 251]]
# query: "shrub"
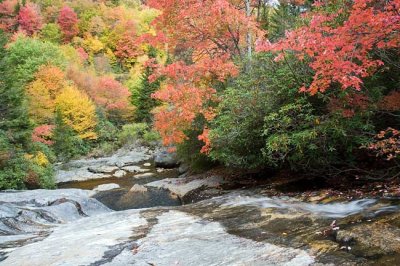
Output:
[[188, 152], [236, 133], [51, 32], [151, 138], [130, 133], [67, 144]]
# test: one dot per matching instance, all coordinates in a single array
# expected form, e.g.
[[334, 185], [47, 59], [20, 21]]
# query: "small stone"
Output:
[[120, 173], [102, 169], [147, 164], [106, 187], [119, 164], [138, 188], [144, 175], [134, 169]]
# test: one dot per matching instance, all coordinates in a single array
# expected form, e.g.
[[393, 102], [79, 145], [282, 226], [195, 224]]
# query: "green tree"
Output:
[[25, 55], [51, 32], [67, 144], [142, 93]]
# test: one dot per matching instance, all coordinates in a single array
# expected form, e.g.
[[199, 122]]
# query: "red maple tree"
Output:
[[8, 16], [340, 49], [68, 22], [29, 19], [212, 32]]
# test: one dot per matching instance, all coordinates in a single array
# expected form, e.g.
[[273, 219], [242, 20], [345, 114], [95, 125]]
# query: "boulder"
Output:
[[106, 187], [144, 175], [102, 169], [134, 169], [27, 216], [119, 173], [138, 188], [183, 168], [165, 159], [183, 185]]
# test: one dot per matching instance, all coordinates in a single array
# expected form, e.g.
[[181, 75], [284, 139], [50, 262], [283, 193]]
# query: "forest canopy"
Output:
[[311, 86]]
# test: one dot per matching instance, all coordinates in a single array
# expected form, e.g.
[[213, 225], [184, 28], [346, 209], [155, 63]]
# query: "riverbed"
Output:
[[206, 219]]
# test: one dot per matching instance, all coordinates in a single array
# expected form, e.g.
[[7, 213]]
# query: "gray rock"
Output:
[[165, 159], [66, 227], [134, 169], [102, 169], [83, 242], [106, 187], [119, 164], [90, 169], [138, 188], [182, 186], [78, 174], [119, 173], [143, 175], [182, 239], [32, 213], [127, 238], [183, 168]]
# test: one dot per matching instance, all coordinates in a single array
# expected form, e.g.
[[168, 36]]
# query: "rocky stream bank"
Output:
[[128, 210]]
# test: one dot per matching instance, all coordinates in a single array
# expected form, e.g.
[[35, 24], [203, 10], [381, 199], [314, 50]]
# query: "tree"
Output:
[[42, 92], [105, 91], [8, 16], [339, 44], [205, 36], [68, 22], [141, 98], [26, 55], [67, 144], [29, 19], [78, 112], [110, 94], [128, 48], [51, 32]]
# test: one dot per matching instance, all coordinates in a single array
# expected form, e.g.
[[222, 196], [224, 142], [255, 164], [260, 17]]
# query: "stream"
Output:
[[191, 220]]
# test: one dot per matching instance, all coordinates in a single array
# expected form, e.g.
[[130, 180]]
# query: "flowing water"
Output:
[[243, 226]]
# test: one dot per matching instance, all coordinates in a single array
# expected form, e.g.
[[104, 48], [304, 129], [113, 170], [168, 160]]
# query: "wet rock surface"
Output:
[[238, 228], [154, 217], [30, 216]]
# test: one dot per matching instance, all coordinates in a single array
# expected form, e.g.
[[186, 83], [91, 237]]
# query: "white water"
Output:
[[330, 210]]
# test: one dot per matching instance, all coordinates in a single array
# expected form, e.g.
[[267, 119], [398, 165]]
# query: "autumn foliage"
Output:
[[105, 91], [29, 19], [43, 134], [339, 49], [386, 144], [188, 94], [77, 111], [8, 18], [42, 92], [68, 22], [214, 32]]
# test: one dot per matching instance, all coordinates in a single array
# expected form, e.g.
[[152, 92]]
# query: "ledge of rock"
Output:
[[182, 186], [89, 169], [29, 215], [105, 187]]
